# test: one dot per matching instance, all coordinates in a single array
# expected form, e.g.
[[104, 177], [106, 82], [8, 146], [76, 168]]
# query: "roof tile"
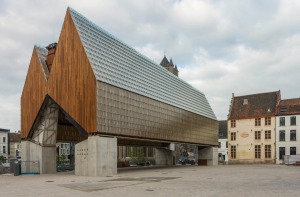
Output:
[[255, 105]]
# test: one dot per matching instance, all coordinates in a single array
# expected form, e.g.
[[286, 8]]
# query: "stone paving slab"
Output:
[[231, 180]]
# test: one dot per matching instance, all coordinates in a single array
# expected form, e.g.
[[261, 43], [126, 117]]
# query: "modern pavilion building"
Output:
[[93, 89]]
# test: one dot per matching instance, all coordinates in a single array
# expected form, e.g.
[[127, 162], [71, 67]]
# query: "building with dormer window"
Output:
[[287, 129], [251, 128]]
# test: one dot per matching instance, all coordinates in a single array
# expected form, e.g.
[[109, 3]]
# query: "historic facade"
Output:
[[251, 128]]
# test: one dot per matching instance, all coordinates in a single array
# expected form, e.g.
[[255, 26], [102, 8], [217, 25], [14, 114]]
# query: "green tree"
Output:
[[2, 159]]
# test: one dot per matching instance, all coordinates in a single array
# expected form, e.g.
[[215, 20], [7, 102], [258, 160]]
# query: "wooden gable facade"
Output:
[[71, 83], [33, 95]]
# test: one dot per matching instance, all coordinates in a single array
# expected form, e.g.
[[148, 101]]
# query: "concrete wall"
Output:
[[81, 158], [36, 158], [210, 154], [96, 156], [163, 157], [245, 141]]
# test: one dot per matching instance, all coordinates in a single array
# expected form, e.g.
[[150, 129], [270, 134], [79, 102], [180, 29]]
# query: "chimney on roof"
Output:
[[51, 52]]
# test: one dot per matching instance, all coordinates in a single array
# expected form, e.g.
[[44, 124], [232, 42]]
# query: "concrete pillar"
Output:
[[81, 158], [96, 156], [36, 158], [210, 154], [163, 157]]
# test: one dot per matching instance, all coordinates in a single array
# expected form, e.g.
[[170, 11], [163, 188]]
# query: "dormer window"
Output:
[[283, 109]]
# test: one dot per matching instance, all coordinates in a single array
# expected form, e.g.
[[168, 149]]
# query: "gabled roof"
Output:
[[118, 64], [14, 137], [222, 129], [164, 62], [288, 107], [254, 106]]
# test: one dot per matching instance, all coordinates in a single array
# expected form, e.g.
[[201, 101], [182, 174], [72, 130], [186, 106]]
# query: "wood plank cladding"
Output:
[[124, 113], [72, 83], [33, 94]]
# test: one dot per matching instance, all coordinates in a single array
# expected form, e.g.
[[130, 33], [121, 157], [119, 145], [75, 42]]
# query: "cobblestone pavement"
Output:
[[231, 180]]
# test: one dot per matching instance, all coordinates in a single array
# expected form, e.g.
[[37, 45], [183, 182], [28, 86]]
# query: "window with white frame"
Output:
[[282, 135], [257, 151], [293, 135], [257, 135], [257, 121], [281, 152], [233, 152], [293, 120], [233, 123], [282, 121], [268, 134], [267, 120], [267, 151], [292, 150], [233, 136]]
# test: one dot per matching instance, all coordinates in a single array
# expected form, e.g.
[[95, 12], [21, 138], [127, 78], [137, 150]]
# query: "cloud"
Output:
[[219, 47]]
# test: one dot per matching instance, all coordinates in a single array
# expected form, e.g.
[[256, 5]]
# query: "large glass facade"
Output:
[[124, 113]]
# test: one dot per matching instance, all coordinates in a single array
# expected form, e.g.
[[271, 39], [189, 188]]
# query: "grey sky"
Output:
[[220, 47]]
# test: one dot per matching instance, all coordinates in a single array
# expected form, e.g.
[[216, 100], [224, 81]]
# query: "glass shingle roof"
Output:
[[118, 64]]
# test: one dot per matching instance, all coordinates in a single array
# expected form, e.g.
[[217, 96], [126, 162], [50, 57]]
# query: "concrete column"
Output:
[[36, 158], [96, 156], [163, 157], [81, 158], [210, 154]]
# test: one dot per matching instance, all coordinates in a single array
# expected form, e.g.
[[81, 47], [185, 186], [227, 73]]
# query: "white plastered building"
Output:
[[287, 129]]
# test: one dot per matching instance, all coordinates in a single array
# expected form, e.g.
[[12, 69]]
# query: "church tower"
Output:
[[169, 65]]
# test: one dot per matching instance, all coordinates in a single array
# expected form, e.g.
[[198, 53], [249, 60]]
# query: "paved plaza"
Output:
[[227, 180]]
